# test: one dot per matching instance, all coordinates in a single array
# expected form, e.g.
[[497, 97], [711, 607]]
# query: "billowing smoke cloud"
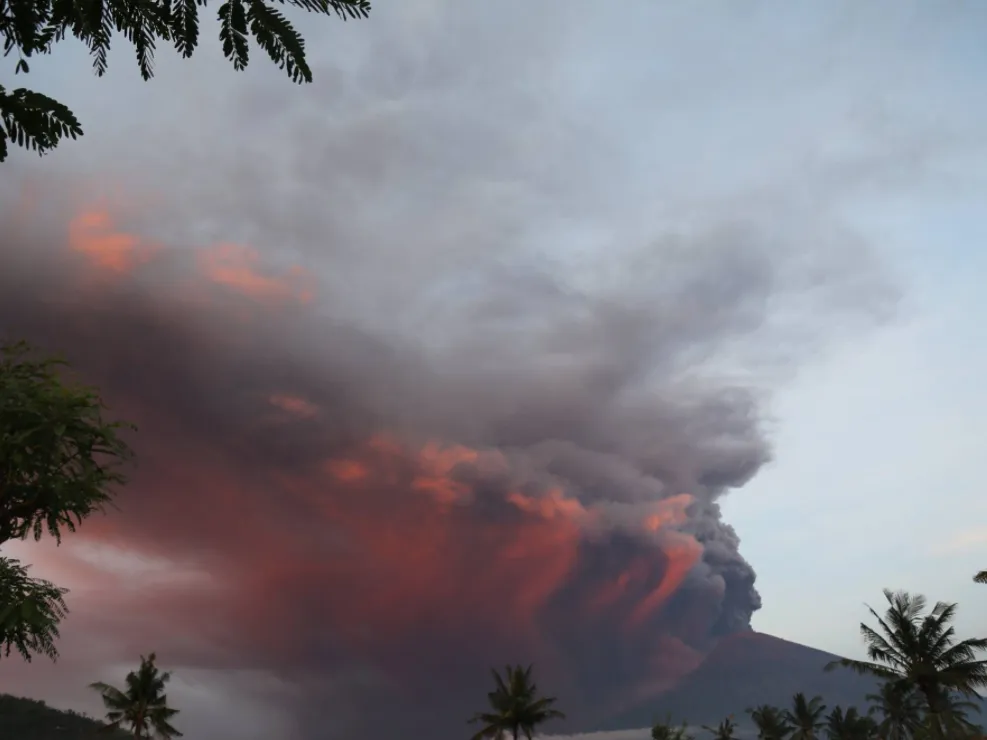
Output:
[[377, 520], [436, 365]]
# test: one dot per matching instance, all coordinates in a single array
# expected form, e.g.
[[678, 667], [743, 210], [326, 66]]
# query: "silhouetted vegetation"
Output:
[[516, 709], [929, 685], [27, 719], [917, 651], [770, 722], [805, 717], [141, 707], [59, 461], [724, 730], [35, 121], [667, 731]]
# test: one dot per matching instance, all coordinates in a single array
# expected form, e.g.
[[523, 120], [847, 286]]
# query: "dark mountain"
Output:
[[745, 670], [27, 719]]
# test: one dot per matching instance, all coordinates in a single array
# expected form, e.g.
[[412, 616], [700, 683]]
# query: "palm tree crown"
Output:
[[805, 717], [770, 722], [849, 725], [981, 577], [898, 711], [724, 730], [953, 721], [919, 650], [142, 707], [516, 707]]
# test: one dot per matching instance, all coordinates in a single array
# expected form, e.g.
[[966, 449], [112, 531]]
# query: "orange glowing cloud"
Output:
[[92, 234], [437, 463], [610, 593], [443, 565], [347, 471], [669, 512], [551, 505], [238, 268], [294, 405], [523, 565], [445, 569], [682, 552]]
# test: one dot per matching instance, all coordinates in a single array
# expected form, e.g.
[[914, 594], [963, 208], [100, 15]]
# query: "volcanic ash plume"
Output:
[[387, 505]]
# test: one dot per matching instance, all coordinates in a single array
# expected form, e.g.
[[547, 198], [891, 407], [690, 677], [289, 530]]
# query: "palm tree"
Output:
[[770, 722], [899, 711], [143, 707], [953, 721], [667, 731], [849, 725], [724, 730], [517, 708], [919, 651], [981, 577], [805, 717]]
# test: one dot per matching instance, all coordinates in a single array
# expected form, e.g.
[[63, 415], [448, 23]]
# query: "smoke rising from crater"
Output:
[[431, 373], [382, 518]]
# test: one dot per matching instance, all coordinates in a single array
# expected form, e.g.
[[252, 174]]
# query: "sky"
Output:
[[527, 330]]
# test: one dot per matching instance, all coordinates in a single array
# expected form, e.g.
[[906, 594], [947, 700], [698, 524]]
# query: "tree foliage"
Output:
[[770, 722], [515, 707], [30, 610], [805, 717], [31, 719], [849, 725], [898, 711], [668, 731], [59, 458], [918, 650], [981, 577], [954, 721], [142, 707], [724, 730], [31, 28], [59, 461]]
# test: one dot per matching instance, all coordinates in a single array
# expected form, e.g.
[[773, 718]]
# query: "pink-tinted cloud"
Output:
[[365, 524]]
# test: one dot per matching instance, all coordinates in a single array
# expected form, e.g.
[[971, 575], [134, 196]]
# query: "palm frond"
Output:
[[862, 667], [917, 652], [517, 708], [142, 705]]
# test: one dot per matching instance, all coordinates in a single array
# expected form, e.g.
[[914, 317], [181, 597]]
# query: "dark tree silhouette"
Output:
[[981, 577], [30, 611], [32, 27], [806, 717], [850, 725], [918, 650], [954, 720], [668, 731], [515, 707], [898, 711], [770, 722], [142, 707], [724, 730], [59, 461]]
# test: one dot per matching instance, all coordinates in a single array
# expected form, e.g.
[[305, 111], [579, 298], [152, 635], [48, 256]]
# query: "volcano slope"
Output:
[[742, 671]]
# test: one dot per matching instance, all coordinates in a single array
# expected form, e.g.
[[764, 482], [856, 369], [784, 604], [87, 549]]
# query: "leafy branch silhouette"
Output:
[[31, 28]]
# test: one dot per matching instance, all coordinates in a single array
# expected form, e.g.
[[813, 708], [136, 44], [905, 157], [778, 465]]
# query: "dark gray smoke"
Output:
[[312, 301], [592, 412]]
